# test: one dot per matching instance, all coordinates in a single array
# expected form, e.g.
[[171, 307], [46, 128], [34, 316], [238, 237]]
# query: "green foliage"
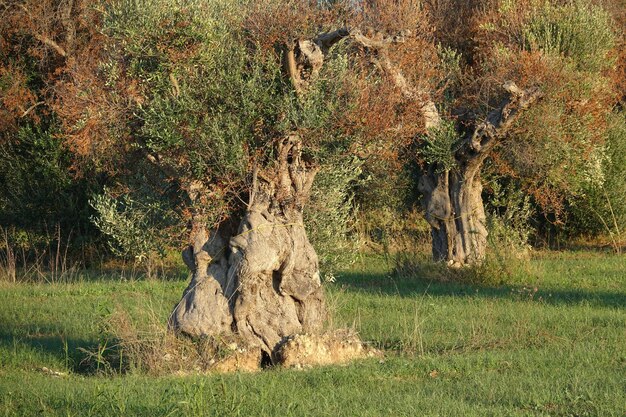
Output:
[[206, 91], [386, 198], [213, 102], [601, 206], [205, 102], [450, 66], [577, 30], [510, 215], [568, 158], [318, 113], [615, 170], [439, 146], [33, 170], [39, 191], [134, 229], [508, 221], [329, 216]]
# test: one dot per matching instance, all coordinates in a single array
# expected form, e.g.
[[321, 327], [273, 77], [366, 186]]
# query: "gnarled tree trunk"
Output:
[[261, 281], [454, 209], [452, 198]]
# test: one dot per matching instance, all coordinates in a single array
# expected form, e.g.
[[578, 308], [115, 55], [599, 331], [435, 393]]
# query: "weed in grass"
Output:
[[492, 272], [412, 334], [126, 346]]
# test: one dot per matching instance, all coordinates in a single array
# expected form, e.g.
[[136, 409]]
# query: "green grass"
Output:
[[452, 349]]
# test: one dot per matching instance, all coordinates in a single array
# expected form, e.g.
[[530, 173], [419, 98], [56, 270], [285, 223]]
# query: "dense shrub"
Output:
[[558, 153], [330, 215], [577, 30], [601, 207], [41, 193], [173, 105]]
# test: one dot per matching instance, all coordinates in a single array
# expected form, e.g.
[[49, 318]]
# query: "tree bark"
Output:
[[260, 282], [452, 198], [454, 209]]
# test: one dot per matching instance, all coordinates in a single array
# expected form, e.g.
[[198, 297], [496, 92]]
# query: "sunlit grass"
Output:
[[550, 344]]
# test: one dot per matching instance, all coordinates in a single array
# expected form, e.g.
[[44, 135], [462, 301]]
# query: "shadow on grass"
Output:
[[48, 340], [389, 284]]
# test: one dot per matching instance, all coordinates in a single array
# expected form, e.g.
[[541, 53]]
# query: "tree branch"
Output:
[[328, 39], [253, 188], [31, 108], [47, 41], [289, 63], [379, 43], [283, 178], [428, 108], [43, 38], [500, 120], [68, 24], [475, 148], [378, 40]]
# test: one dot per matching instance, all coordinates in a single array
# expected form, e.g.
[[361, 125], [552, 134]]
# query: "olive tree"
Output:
[[230, 128], [530, 90]]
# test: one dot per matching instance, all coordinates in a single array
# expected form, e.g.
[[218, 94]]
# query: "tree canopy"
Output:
[[173, 105]]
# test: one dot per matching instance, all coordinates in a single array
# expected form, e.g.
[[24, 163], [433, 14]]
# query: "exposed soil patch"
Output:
[[339, 347]]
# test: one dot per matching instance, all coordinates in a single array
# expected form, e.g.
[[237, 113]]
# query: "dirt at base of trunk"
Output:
[[241, 360], [300, 351], [304, 350]]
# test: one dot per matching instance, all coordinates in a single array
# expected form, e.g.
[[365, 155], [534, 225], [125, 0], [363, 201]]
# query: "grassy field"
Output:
[[552, 343]]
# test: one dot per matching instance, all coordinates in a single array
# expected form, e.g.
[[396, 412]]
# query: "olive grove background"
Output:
[[124, 122]]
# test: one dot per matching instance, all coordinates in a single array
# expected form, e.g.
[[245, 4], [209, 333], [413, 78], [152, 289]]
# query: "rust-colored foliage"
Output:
[[571, 120], [52, 54], [58, 47], [389, 120], [272, 23], [453, 24], [528, 156], [17, 100], [391, 17]]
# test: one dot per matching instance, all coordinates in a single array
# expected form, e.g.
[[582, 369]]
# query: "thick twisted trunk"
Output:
[[279, 291], [452, 197], [454, 209], [260, 281]]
